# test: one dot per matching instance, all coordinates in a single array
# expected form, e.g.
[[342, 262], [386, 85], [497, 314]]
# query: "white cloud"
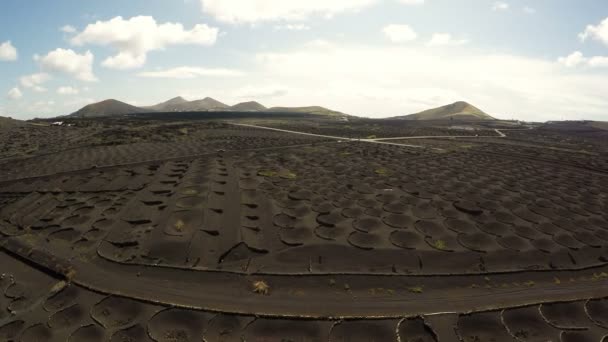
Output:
[[399, 33], [34, 81], [67, 91], [292, 27], [41, 107], [69, 62], [14, 94], [577, 59], [133, 38], [398, 79], [573, 60], [78, 102], [598, 32], [318, 44], [598, 62], [260, 92], [500, 6], [125, 61], [252, 11], [529, 10], [186, 72], [68, 29], [264, 90], [411, 2], [445, 39], [8, 52]]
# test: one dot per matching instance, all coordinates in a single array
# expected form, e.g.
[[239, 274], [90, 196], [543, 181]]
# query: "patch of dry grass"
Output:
[[261, 287], [179, 226], [416, 289]]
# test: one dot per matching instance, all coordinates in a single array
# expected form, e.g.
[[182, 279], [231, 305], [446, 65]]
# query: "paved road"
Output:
[[324, 136], [312, 297]]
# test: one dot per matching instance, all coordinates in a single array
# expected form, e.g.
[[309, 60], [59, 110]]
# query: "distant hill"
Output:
[[168, 106], [306, 110], [179, 104], [250, 106], [206, 104], [455, 111], [107, 108]]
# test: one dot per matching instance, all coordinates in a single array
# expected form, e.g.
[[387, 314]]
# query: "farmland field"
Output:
[[136, 229]]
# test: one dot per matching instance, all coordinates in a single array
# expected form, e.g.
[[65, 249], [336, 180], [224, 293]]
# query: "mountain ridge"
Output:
[[111, 107], [167, 105], [460, 110]]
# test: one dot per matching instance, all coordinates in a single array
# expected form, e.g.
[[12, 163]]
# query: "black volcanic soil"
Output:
[[148, 230], [271, 210], [366, 128], [113, 143], [36, 306]]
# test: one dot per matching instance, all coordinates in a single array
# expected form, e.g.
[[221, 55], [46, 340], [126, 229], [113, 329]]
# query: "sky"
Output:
[[533, 60]]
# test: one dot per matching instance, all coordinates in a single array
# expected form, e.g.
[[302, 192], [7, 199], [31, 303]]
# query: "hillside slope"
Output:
[[455, 111], [168, 106], [251, 106], [306, 110], [108, 108], [206, 104]]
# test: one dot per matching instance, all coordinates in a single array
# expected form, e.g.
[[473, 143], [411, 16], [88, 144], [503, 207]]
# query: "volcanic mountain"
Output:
[[108, 108], [250, 106], [169, 106], [206, 104], [306, 110], [455, 111], [179, 104]]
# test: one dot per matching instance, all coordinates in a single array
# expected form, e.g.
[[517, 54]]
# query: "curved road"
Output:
[[321, 296]]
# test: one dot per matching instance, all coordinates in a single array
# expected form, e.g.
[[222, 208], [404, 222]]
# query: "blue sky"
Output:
[[524, 59]]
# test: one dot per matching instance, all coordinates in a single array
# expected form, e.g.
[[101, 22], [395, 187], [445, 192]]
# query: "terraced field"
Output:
[[232, 233]]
